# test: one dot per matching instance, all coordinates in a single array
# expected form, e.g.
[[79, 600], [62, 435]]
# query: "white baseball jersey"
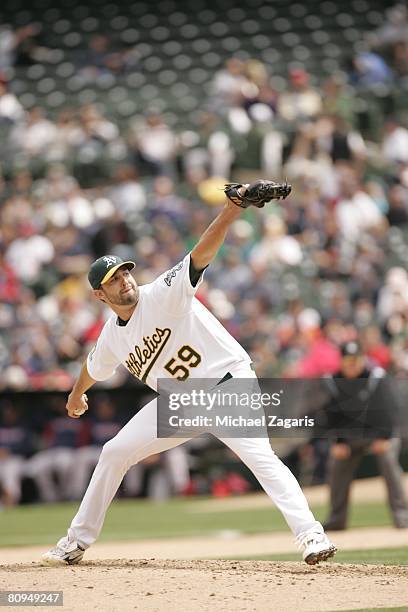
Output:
[[169, 335]]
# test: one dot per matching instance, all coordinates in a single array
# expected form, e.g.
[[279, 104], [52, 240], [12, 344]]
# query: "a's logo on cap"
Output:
[[109, 260]]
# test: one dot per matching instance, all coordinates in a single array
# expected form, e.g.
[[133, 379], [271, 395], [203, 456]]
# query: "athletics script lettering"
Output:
[[147, 354]]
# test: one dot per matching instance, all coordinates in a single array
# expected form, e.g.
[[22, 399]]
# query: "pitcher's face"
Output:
[[120, 290]]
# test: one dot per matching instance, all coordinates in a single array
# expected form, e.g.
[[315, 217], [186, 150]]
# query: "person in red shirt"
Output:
[[9, 284], [320, 355], [374, 348]]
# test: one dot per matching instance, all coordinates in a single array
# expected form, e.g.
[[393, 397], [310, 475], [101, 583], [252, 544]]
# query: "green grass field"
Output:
[[402, 609], [142, 519]]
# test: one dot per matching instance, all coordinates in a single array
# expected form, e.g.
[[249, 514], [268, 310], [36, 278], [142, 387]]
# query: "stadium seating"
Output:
[[177, 46]]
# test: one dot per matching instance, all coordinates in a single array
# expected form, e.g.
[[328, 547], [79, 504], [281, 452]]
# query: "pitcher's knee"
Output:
[[112, 453]]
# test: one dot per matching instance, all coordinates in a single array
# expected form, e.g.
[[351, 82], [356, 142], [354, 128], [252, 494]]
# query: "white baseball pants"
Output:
[[138, 440]]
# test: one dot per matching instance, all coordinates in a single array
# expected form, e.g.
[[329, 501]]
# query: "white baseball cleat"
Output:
[[66, 551], [316, 546]]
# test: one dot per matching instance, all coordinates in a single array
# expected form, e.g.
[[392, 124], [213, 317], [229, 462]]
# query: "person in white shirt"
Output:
[[35, 135], [10, 108], [161, 331], [356, 212], [395, 142]]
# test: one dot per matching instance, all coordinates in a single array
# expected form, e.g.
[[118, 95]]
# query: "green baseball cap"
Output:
[[104, 268]]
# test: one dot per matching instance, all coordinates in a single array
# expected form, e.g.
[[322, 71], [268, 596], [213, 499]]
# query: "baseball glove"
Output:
[[257, 193]]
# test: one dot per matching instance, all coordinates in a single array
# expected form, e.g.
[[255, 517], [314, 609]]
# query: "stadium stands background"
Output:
[[118, 124]]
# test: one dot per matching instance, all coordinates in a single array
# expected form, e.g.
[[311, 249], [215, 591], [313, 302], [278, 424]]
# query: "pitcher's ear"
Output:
[[99, 294]]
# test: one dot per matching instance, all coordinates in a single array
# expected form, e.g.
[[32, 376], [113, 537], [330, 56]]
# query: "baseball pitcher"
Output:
[[160, 330]]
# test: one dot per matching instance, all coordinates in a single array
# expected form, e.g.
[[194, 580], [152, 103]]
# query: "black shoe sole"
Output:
[[323, 555]]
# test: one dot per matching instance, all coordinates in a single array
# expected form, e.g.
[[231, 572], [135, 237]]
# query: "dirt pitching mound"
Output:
[[169, 585]]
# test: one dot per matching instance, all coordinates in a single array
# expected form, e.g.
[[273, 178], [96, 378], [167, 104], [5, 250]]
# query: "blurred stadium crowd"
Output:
[[85, 170]]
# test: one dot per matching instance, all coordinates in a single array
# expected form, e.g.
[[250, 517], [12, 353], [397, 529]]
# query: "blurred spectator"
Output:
[[7, 45], [356, 212], [34, 250], [54, 187], [234, 277], [9, 283], [17, 46], [400, 60], [27, 50], [127, 194], [258, 90], [69, 135], [104, 425], [11, 111], [36, 135], [337, 99], [248, 136], [229, 484], [164, 201], [95, 59], [166, 474], [14, 447], [398, 206], [95, 125], [373, 346], [393, 296], [155, 145], [53, 468], [369, 69], [95, 145], [308, 164], [276, 247], [319, 355], [301, 102], [336, 137], [395, 142], [227, 86], [209, 148]]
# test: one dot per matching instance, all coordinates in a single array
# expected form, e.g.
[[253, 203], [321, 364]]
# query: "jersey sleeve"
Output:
[[101, 362], [175, 289]]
